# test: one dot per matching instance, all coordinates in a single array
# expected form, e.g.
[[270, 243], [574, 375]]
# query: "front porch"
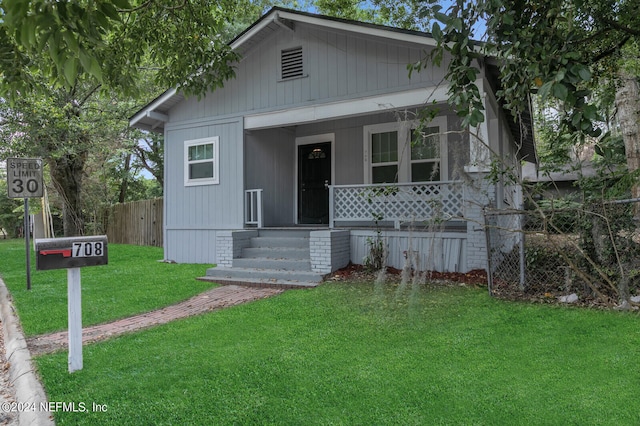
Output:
[[326, 175], [423, 223], [420, 205], [303, 257]]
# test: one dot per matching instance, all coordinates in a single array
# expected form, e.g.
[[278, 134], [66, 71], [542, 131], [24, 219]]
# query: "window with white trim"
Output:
[[201, 161], [425, 154], [384, 157], [405, 152]]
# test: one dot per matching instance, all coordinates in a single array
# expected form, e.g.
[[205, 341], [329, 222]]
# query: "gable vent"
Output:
[[292, 63]]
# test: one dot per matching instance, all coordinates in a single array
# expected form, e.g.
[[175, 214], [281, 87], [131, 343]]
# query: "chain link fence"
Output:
[[590, 250]]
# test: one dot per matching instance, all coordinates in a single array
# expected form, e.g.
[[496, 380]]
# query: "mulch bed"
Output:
[[360, 273]]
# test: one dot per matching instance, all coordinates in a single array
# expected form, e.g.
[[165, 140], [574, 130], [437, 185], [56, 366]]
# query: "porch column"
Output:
[[478, 193], [229, 245], [329, 250], [480, 145]]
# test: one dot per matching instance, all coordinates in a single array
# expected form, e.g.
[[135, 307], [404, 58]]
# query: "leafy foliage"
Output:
[[557, 50], [407, 14], [82, 136], [10, 214], [67, 67], [110, 41]]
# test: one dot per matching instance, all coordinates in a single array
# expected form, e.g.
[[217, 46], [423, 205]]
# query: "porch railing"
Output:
[[397, 202], [253, 207]]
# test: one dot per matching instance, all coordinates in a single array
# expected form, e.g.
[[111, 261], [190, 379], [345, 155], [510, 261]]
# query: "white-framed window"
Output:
[[405, 152], [425, 154], [384, 155], [201, 161]]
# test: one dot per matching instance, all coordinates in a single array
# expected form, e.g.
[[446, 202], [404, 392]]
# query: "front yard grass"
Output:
[[356, 353], [133, 282]]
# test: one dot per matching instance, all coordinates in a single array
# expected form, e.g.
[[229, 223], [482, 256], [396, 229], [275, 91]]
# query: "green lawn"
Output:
[[344, 354], [357, 353], [133, 282]]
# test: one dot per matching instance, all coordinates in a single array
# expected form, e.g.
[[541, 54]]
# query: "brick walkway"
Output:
[[216, 298]]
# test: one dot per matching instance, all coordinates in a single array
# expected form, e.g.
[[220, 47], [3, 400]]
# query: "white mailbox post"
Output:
[[72, 254]]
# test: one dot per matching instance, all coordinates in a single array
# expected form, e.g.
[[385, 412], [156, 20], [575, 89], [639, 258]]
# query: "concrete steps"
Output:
[[278, 258]]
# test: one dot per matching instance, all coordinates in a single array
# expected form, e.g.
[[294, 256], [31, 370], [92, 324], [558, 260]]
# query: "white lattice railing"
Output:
[[397, 202], [253, 207]]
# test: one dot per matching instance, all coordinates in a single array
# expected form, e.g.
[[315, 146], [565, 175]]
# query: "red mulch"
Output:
[[354, 272]]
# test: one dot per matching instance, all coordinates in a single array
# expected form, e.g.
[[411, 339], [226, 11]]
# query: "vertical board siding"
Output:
[[138, 223], [436, 252], [270, 166], [200, 246], [206, 206], [337, 65], [194, 213]]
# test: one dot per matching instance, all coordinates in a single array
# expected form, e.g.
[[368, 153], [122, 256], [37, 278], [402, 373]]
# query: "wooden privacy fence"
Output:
[[138, 223]]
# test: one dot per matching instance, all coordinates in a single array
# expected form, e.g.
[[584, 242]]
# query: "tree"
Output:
[[111, 40], [149, 155], [406, 14], [10, 220], [560, 51], [555, 49], [64, 127], [627, 103], [58, 58]]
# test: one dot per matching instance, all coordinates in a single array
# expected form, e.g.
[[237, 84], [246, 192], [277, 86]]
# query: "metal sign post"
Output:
[[72, 254], [24, 180], [27, 244]]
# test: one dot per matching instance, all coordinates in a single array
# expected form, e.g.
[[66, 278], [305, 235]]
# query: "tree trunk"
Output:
[[628, 112], [66, 173], [124, 185]]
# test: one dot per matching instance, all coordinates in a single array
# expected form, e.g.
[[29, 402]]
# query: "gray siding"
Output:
[[443, 252], [270, 166], [192, 212], [337, 66], [191, 246]]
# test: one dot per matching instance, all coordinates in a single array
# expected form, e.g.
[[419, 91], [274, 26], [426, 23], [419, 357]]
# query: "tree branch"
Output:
[[611, 50], [591, 37], [618, 26], [148, 3]]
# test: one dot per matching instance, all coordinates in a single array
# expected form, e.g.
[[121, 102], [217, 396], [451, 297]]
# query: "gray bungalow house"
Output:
[[302, 162]]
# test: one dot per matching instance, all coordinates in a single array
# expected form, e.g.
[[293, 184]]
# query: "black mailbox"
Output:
[[75, 252]]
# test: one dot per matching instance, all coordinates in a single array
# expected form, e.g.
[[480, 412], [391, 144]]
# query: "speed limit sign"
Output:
[[24, 177]]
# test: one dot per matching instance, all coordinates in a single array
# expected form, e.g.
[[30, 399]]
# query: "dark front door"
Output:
[[314, 173]]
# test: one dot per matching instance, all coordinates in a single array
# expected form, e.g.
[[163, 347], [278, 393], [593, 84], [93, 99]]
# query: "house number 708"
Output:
[[88, 249]]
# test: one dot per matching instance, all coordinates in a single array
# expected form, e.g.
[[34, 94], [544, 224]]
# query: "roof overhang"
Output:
[[153, 116], [348, 108], [278, 17]]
